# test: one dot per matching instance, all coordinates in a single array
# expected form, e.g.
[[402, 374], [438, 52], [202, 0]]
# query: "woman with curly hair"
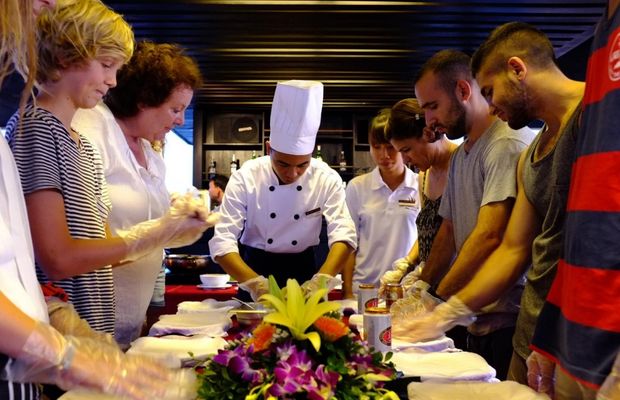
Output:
[[151, 94]]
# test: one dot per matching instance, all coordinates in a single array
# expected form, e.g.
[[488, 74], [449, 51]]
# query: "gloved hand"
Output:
[[257, 287], [611, 387], [413, 306], [399, 269], [71, 362], [409, 279], [183, 224], [66, 320], [320, 281], [540, 373], [416, 290], [433, 324]]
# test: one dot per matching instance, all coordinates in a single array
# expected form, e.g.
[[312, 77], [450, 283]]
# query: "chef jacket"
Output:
[[281, 218]]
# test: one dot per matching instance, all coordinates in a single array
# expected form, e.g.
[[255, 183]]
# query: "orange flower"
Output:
[[262, 336], [331, 329]]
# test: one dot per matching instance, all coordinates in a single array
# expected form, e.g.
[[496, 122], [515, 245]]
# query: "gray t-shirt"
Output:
[[487, 174], [545, 183]]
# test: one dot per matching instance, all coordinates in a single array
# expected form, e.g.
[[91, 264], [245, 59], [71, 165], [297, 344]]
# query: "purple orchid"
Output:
[[237, 361]]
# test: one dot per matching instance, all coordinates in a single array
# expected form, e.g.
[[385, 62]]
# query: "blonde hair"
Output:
[[17, 42], [77, 31]]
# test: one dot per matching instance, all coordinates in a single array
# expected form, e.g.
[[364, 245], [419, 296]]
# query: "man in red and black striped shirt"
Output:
[[579, 326]]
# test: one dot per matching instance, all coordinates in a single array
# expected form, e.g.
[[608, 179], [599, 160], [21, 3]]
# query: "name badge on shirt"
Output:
[[313, 211], [408, 203]]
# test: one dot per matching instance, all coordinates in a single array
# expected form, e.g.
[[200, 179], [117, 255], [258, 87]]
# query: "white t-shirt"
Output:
[[18, 280], [137, 194], [384, 220]]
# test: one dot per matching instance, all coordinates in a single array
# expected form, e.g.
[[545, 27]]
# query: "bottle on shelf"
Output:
[[212, 169], [318, 154], [342, 161], [233, 164], [254, 155]]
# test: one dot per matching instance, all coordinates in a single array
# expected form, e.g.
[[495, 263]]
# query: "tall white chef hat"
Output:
[[296, 116]]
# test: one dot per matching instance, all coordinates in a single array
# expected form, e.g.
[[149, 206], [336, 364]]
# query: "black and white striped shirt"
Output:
[[48, 158]]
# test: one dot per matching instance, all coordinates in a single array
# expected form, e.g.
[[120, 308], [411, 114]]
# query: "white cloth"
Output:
[[385, 223], [212, 324], [137, 194], [472, 390], [443, 343], [18, 281], [296, 116], [460, 365], [178, 347], [286, 219], [208, 305]]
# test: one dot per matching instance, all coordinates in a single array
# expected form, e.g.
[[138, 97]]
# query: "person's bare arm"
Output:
[[347, 276], [481, 242], [441, 255], [234, 266], [336, 258], [510, 260], [59, 254]]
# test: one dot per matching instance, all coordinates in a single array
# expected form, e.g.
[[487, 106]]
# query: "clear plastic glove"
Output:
[[409, 279], [257, 287], [70, 362], [320, 281], [413, 306], [66, 320], [416, 290], [399, 269], [540, 373], [433, 324], [610, 389], [183, 224]]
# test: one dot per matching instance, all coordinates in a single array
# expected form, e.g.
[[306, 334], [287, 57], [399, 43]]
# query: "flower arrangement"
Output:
[[300, 351]]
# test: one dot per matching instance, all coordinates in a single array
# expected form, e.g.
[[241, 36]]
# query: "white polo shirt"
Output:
[[384, 220]]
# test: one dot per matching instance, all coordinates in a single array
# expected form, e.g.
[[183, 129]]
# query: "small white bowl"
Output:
[[214, 280]]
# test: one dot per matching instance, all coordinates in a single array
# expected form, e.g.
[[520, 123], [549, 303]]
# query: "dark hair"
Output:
[[219, 181], [449, 66], [515, 39], [150, 77], [376, 128], [406, 120]]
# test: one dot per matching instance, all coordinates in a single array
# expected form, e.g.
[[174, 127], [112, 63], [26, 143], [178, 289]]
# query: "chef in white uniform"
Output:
[[274, 204]]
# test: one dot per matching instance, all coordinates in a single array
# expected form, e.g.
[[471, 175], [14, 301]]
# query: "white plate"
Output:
[[201, 286]]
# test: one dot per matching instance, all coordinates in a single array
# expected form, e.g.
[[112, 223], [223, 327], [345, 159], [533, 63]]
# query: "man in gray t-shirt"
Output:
[[477, 201]]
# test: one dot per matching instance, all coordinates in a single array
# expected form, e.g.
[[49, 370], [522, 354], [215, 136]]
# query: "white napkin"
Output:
[[346, 303], [472, 390], [452, 366], [212, 324], [177, 347], [443, 343], [208, 305]]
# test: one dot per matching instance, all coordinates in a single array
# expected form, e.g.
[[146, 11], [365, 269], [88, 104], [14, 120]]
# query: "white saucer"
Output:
[[201, 286]]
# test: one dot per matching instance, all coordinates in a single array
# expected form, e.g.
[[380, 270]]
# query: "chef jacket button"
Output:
[[294, 242], [269, 240], [299, 188], [272, 215], [272, 188], [296, 216]]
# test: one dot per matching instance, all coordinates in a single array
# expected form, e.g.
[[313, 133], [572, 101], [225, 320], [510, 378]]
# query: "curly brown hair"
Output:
[[150, 77]]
